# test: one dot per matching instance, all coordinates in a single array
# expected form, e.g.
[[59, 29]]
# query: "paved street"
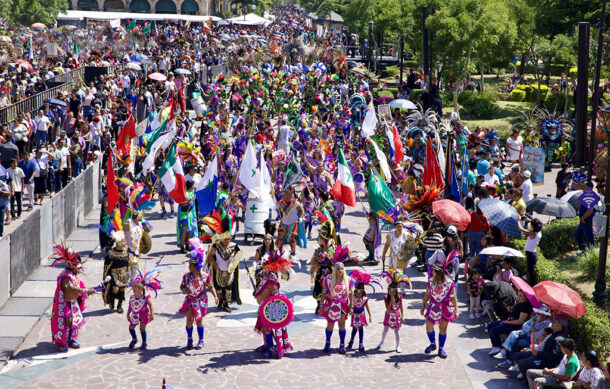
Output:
[[228, 358]]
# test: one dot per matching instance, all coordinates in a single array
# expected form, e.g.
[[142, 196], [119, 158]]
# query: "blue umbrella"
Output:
[[59, 102], [502, 215], [138, 57]]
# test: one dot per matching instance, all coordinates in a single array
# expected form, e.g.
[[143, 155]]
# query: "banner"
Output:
[[533, 160]]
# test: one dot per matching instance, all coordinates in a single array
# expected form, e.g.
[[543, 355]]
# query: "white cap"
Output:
[[451, 230], [527, 174]]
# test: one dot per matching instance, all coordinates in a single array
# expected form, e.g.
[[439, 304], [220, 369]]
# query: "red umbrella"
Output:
[[560, 298], [25, 64], [527, 290], [451, 212]]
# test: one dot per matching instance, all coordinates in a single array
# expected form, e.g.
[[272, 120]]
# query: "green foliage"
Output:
[[26, 12], [446, 98], [556, 101], [517, 95], [417, 94], [388, 16], [592, 331], [479, 105], [557, 237], [531, 91], [386, 93], [588, 261], [392, 70]]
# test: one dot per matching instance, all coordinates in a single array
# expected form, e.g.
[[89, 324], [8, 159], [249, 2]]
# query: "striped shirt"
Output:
[[433, 241]]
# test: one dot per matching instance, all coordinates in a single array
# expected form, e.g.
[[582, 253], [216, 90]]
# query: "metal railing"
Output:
[[209, 75], [32, 104], [75, 74]]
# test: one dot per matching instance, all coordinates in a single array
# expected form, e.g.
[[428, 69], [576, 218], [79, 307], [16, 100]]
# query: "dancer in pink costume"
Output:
[[268, 285], [69, 300], [442, 307], [394, 313], [358, 280], [194, 284], [140, 311]]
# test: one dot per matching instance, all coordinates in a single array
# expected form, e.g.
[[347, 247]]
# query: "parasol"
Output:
[[25, 64], [182, 71], [157, 77], [133, 66], [501, 215], [403, 103], [572, 198], [501, 251], [527, 290], [560, 298], [138, 57], [38, 26], [59, 102], [551, 206], [451, 212]]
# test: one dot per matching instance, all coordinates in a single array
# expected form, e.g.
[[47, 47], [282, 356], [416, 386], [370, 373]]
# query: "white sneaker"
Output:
[[398, 349], [520, 376], [500, 355], [471, 316], [494, 350], [513, 368]]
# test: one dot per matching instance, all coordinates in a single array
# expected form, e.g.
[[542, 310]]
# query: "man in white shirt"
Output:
[[527, 186], [491, 178], [42, 128], [63, 152], [514, 145], [17, 175], [193, 175]]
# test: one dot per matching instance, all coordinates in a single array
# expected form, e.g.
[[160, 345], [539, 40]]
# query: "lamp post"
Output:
[[600, 295], [596, 91], [371, 44], [401, 59]]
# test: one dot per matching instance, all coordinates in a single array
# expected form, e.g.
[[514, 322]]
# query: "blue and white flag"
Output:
[[207, 189]]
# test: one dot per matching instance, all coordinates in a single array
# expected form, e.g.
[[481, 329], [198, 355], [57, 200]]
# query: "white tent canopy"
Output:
[[250, 20], [99, 15]]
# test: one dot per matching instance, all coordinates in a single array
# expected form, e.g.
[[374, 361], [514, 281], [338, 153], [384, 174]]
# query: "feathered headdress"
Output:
[[220, 224], [447, 264], [275, 262], [149, 280], [198, 252], [341, 255], [70, 257], [360, 277], [396, 277], [139, 198]]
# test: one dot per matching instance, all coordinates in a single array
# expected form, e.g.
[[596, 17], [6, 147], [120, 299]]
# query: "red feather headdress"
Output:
[[70, 257]]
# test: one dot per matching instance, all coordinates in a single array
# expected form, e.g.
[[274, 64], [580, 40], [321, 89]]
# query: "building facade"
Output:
[[189, 7]]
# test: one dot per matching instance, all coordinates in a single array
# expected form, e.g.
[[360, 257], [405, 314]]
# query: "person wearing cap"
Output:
[[562, 180], [490, 177], [532, 330], [549, 356], [526, 186]]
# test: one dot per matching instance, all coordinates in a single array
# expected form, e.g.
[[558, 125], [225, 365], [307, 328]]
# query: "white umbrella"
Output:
[[133, 66], [403, 103], [182, 71], [502, 251]]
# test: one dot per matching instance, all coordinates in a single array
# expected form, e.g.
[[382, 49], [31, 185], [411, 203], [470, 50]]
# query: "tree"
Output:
[[26, 12]]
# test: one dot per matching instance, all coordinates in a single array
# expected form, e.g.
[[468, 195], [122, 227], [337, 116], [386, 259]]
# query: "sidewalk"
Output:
[[25, 308]]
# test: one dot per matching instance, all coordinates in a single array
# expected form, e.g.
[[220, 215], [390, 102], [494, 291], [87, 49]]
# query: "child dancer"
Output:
[[393, 305], [358, 304], [442, 309], [475, 286], [194, 285], [140, 311]]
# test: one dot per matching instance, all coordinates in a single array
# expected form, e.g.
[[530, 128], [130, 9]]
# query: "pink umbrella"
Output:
[[157, 77], [451, 212], [25, 64], [527, 290], [560, 298]]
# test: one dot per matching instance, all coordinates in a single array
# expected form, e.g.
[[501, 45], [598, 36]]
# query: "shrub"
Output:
[[588, 261], [592, 331], [517, 95], [558, 237], [464, 96], [386, 93], [532, 90], [446, 98], [392, 71], [417, 93], [480, 105], [556, 101]]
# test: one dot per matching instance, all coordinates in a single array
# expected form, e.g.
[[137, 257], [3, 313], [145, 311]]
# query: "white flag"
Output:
[[265, 184], [370, 122], [440, 152], [383, 162], [248, 171], [161, 143]]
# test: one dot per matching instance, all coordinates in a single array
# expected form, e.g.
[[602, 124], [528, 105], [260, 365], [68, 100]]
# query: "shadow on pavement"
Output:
[[404, 358], [235, 358], [41, 348]]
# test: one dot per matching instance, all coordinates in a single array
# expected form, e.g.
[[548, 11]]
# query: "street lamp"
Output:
[[600, 295], [402, 48], [371, 44]]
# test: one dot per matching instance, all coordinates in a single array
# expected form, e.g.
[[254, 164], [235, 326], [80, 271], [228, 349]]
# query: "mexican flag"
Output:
[[172, 176], [343, 189], [131, 25], [380, 196], [146, 29]]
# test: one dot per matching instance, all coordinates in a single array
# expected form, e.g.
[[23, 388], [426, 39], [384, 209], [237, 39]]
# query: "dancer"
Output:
[[140, 311], [442, 309], [393, 305], [69, 300], [116, 263], [268, 285], [336, 295], [224, 257], [372, 236], [289, 210], [194, 284], [358, 304]]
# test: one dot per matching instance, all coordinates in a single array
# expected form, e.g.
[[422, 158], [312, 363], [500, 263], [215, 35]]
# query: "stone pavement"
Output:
[[25, 308], [228, 358]]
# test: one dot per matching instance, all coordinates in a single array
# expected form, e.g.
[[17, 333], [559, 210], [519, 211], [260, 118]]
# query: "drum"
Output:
[[358, 178], [145, 243], [276, 312], [198, 106]]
